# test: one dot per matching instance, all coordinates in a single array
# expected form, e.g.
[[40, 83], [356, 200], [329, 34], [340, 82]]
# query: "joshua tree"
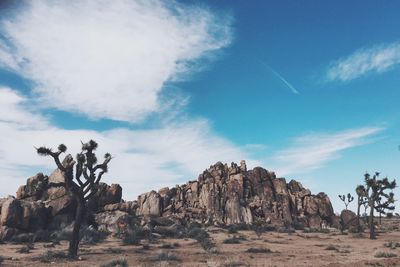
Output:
[[381, 207], [361, 200], [347, 201], [86, 166], [375, 192]]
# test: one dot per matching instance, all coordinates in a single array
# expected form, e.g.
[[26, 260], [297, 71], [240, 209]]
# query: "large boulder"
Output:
[[150, 204], [105, 195], [34, 188], [348, 219], [11, 212], [25, 215], [57, 177], [59, 200], [115, 222]]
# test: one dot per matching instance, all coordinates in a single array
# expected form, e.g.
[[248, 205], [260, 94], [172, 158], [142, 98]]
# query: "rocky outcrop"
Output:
[[224, 195], [44, 203]]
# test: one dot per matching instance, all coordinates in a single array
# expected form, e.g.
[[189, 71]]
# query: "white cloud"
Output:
[[312, 151], [378, 59], [109, 59], [144, 159]]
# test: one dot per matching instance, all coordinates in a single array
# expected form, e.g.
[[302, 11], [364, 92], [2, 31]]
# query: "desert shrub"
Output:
[[234, 264], [90, 235], [42, 236], [134, 236], [2, 259], [201, 236], [165, 256], [308, 230], [325, 231], [50, 256], [22, 238], [167, 246], [288, 230], [233, 229], [392, 244], [116, 263], [258, 250], [26, 248], [385, 254], [232, 240], [298, 225], [145, 247], [114, 250], [62, 234], [389, 215], [332, 247]]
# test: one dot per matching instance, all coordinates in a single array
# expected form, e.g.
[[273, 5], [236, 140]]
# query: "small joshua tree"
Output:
[[361, 200], [347, 200], [86, 166], [377, 197]]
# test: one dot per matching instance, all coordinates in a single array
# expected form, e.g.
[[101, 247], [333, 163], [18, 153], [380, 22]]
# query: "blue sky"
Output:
[[307, 89]]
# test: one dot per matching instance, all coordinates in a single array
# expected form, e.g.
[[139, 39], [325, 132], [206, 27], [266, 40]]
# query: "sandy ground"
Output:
[[295, 249]]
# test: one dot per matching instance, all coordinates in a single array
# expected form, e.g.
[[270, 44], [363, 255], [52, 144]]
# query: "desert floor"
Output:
[[294, 249]]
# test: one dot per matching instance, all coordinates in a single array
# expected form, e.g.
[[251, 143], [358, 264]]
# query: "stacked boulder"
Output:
[[224, 195]]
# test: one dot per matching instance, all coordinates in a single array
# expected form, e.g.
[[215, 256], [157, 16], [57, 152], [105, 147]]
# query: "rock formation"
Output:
[[222, 195]]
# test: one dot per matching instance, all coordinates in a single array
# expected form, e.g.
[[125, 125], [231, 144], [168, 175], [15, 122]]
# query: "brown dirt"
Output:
[[296, 249]]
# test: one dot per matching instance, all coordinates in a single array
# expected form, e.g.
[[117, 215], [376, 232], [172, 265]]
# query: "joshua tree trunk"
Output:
[[371, 221], [74, 242], [358, 214]]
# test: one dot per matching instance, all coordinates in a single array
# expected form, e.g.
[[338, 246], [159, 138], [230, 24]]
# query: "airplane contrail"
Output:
[[291, 87]]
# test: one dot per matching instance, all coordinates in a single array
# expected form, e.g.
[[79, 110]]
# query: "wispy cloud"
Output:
[[289, 85], [376, 59], [109, 59], [312, 151], [144, 159]]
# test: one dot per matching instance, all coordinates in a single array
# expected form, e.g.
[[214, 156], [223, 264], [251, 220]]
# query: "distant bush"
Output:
[[25, 249], [23, 238], [332, 247], [232, 240], [384, 254], [166, 256], [259, 250], [1, 259], [90, 235], [134, 236], [50, 256], [288, 230], [392, 244], [116, 263]]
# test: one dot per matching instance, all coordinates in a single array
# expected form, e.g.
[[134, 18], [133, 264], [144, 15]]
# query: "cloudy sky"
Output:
[[309, 90]]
